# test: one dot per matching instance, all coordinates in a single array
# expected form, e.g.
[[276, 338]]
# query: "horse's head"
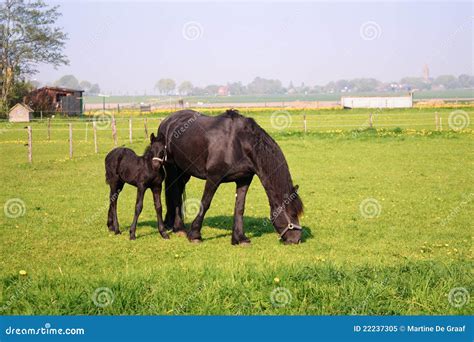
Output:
[[285, 218], [157, 150]]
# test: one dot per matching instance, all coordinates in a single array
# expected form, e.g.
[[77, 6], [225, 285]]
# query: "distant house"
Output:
[[20, 113], [55, 99], [223, 91]]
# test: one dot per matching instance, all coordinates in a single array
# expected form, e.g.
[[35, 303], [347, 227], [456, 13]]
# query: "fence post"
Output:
[[437, 121], [130, 134], [114, 131], [87, 130], [70, 141], [440, 124], [94, 127], [371, 123], [30, 145], [146, 129], [41, 115], [304, 123], [49, 128]]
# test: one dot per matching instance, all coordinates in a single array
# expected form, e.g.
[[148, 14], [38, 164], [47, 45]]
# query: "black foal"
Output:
[[122, 166]]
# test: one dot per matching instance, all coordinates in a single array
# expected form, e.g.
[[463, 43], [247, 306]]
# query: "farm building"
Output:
[[54, 99], [377, 101], [20, 113]]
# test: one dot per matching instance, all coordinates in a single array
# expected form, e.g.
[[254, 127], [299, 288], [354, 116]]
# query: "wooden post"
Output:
[[146, 129], [437, 121], [94, 127], [440, 124], [41, 115], [304, 123], [371, 123], [30, 145], [70, 141], [49, 128], [130, 134], [114, 131], [118, 108], [87, 130]]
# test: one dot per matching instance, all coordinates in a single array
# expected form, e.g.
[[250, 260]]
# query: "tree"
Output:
[[447, 81], [94, 89], [185, 88], [28, 36], [466, 81], [68, 81], [265, 86], [165, 86], [85, 85]]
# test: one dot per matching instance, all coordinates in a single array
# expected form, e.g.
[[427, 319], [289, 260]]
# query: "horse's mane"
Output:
[[272, 162]]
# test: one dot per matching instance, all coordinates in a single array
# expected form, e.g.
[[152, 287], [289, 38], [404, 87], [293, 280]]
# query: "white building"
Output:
[[377, 101]]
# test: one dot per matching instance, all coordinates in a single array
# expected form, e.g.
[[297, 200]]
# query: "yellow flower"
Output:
[[276, 280], [22, 272]]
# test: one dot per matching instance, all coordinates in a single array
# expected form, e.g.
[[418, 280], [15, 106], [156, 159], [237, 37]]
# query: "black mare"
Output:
[[227, 148]]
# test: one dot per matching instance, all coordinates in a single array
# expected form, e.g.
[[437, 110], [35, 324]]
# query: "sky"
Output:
[[128, 46]]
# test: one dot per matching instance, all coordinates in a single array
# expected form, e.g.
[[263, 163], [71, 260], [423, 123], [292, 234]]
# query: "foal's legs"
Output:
[[238, 235], [159, 211], [112, 219], [194, 234], [138, 209]]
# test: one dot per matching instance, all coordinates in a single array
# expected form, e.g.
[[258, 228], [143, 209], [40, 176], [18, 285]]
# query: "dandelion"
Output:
[[22, 272]]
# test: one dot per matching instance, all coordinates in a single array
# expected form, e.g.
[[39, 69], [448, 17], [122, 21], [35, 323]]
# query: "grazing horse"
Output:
[[227, 148], [122, 166]]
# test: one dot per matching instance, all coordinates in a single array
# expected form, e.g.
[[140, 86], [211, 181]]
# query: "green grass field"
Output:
[[404, 260]]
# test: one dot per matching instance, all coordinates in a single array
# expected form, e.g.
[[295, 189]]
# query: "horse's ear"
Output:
[[296, 188], [152, 137]]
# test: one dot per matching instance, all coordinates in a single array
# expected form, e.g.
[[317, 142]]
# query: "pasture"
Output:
[[387, 225]]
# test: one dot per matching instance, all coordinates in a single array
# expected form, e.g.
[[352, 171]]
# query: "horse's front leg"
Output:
[[159, 211], [138, 209], [194, 234], [238, 235]]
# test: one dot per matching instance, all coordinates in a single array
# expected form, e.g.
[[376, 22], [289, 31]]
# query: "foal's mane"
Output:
[[274, 168]]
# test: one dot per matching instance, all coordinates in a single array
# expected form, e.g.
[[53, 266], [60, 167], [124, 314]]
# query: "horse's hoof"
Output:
[[180, 233], [245, 243], [195, 240], [118, 232], [132, 238], [165, 236]]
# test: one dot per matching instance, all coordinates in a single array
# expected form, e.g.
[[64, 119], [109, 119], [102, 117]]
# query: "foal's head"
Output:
[[157, 152]]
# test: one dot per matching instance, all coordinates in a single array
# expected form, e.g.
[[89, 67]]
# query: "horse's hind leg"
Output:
[[194, 234], [112, 219]]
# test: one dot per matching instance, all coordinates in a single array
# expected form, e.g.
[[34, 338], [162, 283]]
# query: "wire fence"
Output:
[[82, 136]]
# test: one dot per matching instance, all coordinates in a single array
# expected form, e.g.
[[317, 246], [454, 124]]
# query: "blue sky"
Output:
[[127, 46]]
